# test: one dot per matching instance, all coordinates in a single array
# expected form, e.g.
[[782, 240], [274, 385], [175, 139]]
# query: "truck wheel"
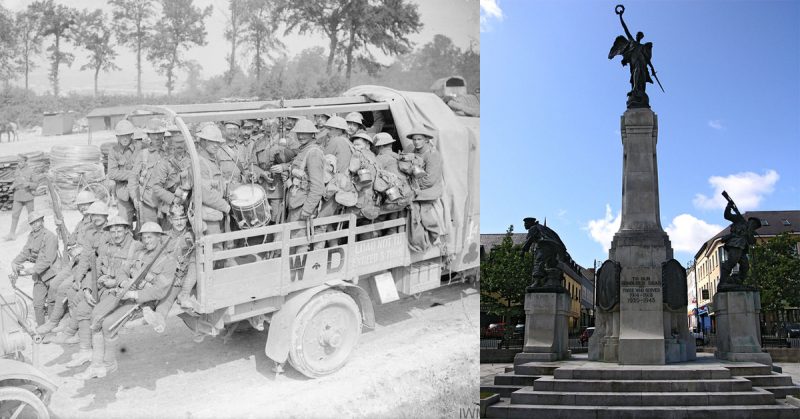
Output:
[[325, 331], [19, 403]]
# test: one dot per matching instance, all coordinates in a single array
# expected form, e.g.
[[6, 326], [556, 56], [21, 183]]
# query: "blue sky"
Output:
[[551, 105]]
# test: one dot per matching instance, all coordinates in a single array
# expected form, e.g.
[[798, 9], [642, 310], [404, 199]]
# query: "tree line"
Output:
[[162, 31]]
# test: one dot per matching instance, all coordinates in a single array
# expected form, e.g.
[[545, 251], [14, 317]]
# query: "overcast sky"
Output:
[[457, 19]]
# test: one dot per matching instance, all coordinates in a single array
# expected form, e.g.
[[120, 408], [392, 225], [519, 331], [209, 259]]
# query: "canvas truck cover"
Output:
[[458, 140]]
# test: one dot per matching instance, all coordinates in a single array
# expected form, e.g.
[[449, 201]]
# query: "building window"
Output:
[[764, 222], [786, 223]]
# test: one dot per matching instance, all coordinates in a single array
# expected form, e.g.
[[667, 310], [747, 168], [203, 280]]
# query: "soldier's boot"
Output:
[[85, 338], [47, 327], [97, 368], [154, 319], [69, 335], [62, 325], [110, 354]]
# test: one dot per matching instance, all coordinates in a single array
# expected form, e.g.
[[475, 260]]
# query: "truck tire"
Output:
[[20, 403], [324, 334]]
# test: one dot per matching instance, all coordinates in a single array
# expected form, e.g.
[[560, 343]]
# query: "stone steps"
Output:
[[643, 373], [771, 380], [748, 368], [515, 379], [781, 392], [529, 396], [536, 368], [548, 383], [504, 390], [504, 409]]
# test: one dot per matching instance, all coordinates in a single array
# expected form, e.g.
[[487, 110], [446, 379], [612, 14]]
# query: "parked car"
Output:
[[495, 330], [793, 330], [519, 329], [587, 333]]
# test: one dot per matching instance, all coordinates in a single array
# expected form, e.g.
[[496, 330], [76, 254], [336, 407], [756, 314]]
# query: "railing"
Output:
[[517, 343]]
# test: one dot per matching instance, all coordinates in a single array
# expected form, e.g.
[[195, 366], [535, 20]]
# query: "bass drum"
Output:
[[249, 206]]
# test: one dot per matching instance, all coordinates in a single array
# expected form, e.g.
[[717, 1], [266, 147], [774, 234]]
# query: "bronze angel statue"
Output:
[[637, 56]]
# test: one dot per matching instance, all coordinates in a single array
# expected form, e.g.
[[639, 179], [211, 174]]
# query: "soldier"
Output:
[[355, 123], [227, 158], [320, 119], [337, 143], [428, 187], [138, 138], [171, 180], [120, 168], [548, 250], [387, 158], [307, 172], [215, 207], [144, 174], [736, 244], [62, 282], [388, 161], [271, 158], [23, 186], [41, 249], [182, 250], [115, 303]]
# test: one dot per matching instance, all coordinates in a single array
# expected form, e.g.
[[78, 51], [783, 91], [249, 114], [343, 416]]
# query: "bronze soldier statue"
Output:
[[736, 244], [547, 252]]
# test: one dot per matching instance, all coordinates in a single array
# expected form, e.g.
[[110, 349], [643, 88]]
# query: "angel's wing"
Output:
[[619, 47]]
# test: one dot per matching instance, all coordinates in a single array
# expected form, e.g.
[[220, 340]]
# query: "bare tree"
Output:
[[133, 26], [59, 21], [180, 26], [259, 29], [94, 34], [28, 29]]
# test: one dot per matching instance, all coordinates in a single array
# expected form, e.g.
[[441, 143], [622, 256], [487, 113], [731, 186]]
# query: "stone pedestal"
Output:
[[546, 337], [738, 329], [640, 246]]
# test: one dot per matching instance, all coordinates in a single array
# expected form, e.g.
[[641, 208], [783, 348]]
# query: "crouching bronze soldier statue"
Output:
[[548, 250]]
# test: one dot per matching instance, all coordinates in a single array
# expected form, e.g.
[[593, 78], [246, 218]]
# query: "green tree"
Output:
[[505, 275], [259, 29], [234, 31], [132, 23], [27, 27], [8, 46], [181, 25], [94, 34], [57, 21], [775, 270]]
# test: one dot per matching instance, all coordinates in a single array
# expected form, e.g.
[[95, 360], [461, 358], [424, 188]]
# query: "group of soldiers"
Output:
[[307, 169]]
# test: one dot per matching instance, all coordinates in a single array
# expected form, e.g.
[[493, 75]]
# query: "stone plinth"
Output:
[[546, 337], [738, 329]]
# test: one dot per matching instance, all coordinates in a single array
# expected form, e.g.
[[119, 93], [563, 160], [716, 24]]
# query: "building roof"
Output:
[[489, 241], [775, 224]]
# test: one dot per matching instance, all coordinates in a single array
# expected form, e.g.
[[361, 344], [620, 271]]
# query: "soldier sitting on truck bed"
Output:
[[80, 281], [113, 263], [181, 247], [214, 186], [397, 193], [427, 185], [116, 304], [171, 180], [62, 283]]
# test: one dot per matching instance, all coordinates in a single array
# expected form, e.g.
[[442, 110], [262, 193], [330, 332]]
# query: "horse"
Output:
[[9, 128]]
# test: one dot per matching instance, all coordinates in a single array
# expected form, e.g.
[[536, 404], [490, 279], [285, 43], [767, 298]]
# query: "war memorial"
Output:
[[642, 360]]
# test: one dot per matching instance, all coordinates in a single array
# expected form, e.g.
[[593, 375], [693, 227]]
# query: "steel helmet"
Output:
[[419, 131], [305, 126], [98, 207], [336, 122], [211, 133], [35, 215], [363, 136], [354, 117], [237, 123], [117, 221], [173, 128], [383, 138], [124, 127], [151, 227], [85, 197], [138, 134], [155, 126], [296, 117]]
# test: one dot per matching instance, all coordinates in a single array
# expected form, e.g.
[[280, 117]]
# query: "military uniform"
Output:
[[24, 187], [120, 170], [266, 153], [42, 250], [307, 190], [184, 279], [214, 190], [144, 175], [428, 191], [227, 161]]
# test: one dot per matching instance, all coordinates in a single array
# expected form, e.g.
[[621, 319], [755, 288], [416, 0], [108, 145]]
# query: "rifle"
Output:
[[107, 308], [59, 218], [733, 204]]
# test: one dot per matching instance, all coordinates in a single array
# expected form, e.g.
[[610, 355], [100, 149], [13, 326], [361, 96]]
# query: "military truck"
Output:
[[314, 303]]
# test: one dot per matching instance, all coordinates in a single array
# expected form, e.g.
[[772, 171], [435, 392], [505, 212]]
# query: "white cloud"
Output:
[[602, 230], [489, 10], [716, 124], [688, 233], [747, 189]]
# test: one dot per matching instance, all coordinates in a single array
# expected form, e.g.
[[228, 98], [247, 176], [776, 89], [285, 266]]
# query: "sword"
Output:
[[656, 77]]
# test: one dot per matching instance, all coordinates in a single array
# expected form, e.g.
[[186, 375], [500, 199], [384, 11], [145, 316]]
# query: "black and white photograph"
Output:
[[239, 208]]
